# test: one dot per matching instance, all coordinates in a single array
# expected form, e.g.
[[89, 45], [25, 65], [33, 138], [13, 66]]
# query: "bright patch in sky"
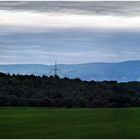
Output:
[[34, 19]]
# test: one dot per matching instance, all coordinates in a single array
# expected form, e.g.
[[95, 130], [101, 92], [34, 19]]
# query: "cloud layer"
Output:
[[72, 32], [127, 8]]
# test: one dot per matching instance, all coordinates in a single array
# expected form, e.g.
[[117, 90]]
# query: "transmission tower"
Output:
[[56, 70]]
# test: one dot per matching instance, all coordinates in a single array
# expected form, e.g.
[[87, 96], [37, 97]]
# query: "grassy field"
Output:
[[69, 123]]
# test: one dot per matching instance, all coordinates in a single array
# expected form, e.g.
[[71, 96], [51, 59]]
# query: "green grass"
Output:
[[69, 123]]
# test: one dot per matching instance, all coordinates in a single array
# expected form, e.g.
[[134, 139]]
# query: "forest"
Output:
[[53, 91]]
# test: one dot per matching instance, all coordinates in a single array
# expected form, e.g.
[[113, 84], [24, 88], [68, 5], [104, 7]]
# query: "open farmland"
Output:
[[69, 123]]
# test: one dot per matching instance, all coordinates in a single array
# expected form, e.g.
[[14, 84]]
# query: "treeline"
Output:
[[36, 91]]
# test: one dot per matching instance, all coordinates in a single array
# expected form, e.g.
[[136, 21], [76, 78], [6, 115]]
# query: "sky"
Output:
[[69, 32]]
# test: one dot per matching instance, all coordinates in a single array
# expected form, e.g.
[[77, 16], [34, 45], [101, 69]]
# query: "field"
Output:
[[69, 123]]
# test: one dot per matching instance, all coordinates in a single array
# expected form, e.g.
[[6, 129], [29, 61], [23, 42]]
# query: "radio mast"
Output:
[[56, 70]]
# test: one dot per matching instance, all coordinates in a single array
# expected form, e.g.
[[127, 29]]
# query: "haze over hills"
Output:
[[122, 71]]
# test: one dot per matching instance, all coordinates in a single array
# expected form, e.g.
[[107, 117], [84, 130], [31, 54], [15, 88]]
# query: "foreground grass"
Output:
[[69, 123]]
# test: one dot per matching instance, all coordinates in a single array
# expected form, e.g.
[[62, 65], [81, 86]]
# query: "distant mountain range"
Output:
[[122, 71]]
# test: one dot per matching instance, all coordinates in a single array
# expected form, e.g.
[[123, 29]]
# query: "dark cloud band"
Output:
[[127, 8]]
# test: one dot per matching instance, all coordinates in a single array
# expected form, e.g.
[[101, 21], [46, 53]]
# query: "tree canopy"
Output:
[[36, 91]]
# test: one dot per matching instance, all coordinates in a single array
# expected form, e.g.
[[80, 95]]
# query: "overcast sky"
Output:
[[71, 32]]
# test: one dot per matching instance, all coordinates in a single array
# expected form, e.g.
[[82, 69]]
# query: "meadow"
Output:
[[69, 123]]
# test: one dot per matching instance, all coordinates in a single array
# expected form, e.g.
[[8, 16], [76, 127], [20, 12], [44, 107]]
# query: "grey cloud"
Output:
[[128, 8], [73, 45], [69, 46]]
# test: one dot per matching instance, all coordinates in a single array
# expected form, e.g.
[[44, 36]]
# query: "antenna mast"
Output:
[[55, 70]]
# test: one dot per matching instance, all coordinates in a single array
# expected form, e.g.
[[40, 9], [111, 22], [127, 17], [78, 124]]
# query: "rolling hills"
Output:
[[121, 71]]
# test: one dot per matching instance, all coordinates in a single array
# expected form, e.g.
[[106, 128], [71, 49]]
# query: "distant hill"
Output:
[[122, 71]]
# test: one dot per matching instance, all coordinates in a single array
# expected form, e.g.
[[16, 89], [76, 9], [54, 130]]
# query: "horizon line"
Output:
[[68, 63]]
